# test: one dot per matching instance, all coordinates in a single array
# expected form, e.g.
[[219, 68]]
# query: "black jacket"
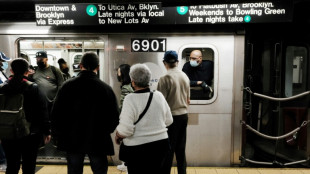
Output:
[[84, 115], [203, 72], [35, 106]]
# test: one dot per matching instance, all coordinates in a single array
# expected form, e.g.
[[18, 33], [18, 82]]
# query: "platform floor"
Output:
[[62, 169]]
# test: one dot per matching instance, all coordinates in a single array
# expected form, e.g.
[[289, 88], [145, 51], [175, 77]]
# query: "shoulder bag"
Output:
[[123, 149]]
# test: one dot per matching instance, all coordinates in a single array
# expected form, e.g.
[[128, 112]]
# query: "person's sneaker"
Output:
[[122, 167], [2, 167]]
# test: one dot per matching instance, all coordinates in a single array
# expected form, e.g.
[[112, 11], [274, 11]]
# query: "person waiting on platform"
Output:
[[84, 115], [143, 125], [24, 150], [175, 88], [200, 74], [124, 78]]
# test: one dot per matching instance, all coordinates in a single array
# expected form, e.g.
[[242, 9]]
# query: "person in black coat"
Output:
[[24, 150], [84, 115]]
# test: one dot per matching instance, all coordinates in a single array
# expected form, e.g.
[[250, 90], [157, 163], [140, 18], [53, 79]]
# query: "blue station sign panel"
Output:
[[154, 14]]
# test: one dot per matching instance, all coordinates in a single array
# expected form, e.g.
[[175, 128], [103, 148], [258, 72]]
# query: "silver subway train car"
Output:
[[258, 112], [213, 125]]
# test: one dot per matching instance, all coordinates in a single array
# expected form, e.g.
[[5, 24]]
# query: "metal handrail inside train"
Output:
[[274, 162], [275, 137], [277, 99]]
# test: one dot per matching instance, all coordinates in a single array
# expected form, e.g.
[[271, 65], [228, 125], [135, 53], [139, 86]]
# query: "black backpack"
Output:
[[13, 123]]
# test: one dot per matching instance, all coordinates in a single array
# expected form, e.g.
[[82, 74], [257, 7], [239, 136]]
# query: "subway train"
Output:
[[258, 112]]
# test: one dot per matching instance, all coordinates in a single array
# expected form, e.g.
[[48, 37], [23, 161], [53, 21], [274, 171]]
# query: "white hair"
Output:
[[140, 74]]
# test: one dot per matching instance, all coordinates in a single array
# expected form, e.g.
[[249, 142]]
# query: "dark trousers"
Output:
[[22, 151], [177, 138], [147, 158], [50, 105], [98, 163], [2, 156]]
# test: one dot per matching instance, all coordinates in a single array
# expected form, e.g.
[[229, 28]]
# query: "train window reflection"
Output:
[[296, 70], [199, 67]]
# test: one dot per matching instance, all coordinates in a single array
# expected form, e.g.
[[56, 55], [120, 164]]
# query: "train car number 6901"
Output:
[[148, 45]]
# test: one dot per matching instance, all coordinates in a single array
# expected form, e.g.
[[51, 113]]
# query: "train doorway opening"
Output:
[[70, 49], [278, 68]]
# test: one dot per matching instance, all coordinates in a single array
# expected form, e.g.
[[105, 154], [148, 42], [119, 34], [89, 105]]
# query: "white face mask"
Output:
[[193, 63], [5, 65]]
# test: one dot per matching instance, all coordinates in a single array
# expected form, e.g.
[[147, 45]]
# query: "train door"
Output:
[[278, 68], [214, 133], [71, 50]]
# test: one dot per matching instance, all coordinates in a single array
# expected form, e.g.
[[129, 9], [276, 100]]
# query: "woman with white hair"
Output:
[[142, 126]]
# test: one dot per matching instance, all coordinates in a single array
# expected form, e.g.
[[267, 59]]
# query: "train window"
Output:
[[296, 70], [76, 62], [199, 65]]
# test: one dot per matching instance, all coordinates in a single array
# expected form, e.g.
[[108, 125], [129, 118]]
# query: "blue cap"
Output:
[[171, 56], [3, 57], [41, 54]]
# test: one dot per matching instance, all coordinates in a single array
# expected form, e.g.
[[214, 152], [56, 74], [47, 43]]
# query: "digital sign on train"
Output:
[[154, 13]]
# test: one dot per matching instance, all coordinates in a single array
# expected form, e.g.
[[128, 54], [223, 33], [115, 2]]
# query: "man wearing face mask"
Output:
[[48, 77], [64, 69], [200, 74]]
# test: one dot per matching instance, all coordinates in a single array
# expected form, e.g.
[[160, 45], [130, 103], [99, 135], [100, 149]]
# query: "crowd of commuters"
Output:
[[82, 113]]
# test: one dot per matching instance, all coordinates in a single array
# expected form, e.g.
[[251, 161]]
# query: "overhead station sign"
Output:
[[154, 14]]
